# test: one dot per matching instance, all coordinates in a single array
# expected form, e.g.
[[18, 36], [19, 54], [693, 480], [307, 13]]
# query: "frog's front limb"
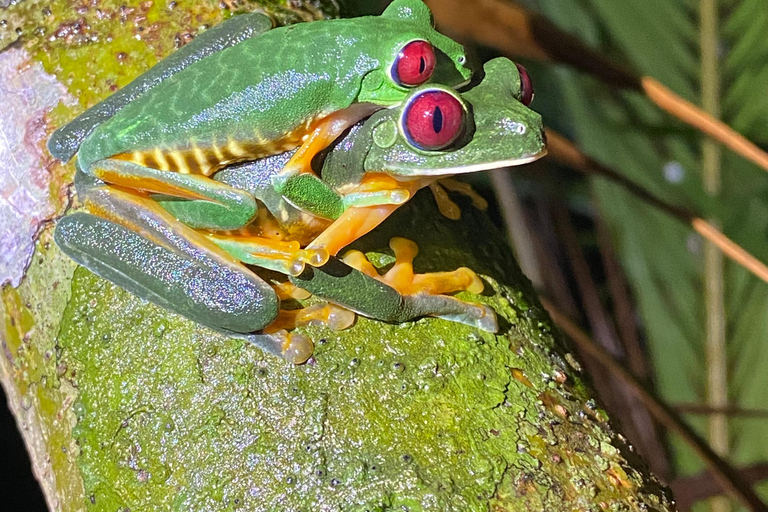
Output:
[[312, 195], [321, 135], [402, 278], [65, 141], [357, 221]]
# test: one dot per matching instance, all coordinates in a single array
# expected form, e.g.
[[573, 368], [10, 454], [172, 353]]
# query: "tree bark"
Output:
[[124, 406]]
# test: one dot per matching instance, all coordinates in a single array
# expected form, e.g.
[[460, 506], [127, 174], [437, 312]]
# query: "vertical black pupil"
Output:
[[422, 65], [437, 120]]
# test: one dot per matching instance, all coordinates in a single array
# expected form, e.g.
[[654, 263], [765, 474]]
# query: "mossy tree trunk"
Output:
[[125, 406]]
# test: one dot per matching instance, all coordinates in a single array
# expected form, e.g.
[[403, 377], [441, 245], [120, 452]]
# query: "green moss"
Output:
[[420, 416]]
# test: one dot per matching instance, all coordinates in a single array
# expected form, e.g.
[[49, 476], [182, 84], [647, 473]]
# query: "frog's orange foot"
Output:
[[446, 205], [326, 315], [287, 290], [401, 276], [295, 347]]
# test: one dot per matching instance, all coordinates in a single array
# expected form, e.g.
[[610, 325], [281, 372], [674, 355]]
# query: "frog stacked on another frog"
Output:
[[180, 238]]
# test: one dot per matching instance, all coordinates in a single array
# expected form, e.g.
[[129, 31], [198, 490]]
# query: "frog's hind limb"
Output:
[[197, 201], [65, 141], [359, 287], [137, 245]]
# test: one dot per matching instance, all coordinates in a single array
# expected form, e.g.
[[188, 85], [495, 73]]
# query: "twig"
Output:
[[565, 152], [732, 411]]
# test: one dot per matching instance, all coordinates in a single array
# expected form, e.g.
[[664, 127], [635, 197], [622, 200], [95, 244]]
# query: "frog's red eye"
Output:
[[433, 120], [414, 64], [526, 86]]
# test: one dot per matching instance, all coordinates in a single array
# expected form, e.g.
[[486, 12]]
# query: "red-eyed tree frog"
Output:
[[147, 244], [246, 91]]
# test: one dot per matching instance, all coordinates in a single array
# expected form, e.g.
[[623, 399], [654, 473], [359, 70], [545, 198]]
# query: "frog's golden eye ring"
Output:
[[414, 64], [526, 86], [433, 119]]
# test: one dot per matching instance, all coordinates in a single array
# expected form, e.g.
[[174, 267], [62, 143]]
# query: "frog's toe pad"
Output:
[[297, 348], [477, 315], [328, 315]]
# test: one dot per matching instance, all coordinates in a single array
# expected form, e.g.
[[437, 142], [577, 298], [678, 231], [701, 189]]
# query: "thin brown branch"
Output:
[[653, 448], [725, 474], [622, 304], [548, 251], [565, 152], [590, 297], [517, 229], [690, 114]]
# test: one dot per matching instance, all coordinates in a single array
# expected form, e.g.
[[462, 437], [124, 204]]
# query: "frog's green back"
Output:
[[266, 88]]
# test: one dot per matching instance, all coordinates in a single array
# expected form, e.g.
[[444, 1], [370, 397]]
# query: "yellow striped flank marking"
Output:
[[207, 160]]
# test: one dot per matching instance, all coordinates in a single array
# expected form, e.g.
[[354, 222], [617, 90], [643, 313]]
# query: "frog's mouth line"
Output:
[[485, 166]]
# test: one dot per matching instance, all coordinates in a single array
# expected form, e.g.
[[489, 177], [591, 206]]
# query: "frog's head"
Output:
[[438, 132], [411, 54]]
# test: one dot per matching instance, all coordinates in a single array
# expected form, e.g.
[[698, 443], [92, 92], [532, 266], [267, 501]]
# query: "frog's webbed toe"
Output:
[[445, 204], [402, 278]]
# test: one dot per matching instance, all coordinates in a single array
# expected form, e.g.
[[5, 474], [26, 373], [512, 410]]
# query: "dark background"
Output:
[[18, 487]]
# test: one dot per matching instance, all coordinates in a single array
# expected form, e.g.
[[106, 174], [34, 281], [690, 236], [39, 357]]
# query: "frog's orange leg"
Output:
[[357, 221], [323, 133]]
